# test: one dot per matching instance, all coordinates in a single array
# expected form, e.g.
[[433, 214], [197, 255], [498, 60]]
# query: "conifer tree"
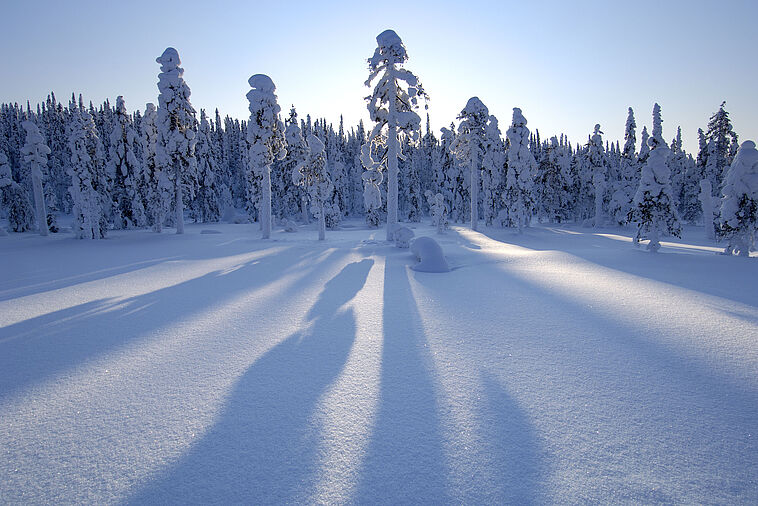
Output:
[[599, 166], [14, 199], [158, 195], [653, 208], [469, 146], [128, 210], [265, 135], [175, 149], [493, 165], [391, 105], [521, 169], [206, 206], [739, 205], [35, 153], [628, 180], [314, 177]]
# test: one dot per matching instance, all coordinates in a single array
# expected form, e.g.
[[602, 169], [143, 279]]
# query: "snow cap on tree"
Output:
[[475, 108], [390, 49]]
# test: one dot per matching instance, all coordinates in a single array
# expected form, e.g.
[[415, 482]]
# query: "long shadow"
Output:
[[262, 449], [405, 462], [664, 405], [44, 347], [517, 466], [82, 262], [705, 273]]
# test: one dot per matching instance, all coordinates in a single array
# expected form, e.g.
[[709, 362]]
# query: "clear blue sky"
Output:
[[568, 65]]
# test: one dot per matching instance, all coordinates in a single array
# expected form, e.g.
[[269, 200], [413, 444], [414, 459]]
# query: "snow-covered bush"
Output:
[[438, 210], [429, 254], [403, 236]]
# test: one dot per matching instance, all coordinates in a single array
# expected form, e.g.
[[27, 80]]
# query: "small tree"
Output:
[[372, 178], [35, 153], [438, 210], [265, 134], [122, 168], [470, 146], [314, 177], [175, 150], [297, 154], [654, 210], [391, 105], [599, 164], [739, 206]]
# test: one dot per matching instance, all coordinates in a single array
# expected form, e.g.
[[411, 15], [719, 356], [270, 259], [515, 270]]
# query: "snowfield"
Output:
[[558, 366]]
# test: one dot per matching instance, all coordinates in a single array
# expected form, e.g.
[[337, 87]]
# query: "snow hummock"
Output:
[[429, 254], [262, 83]]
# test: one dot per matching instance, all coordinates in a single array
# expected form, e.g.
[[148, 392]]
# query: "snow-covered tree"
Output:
[[297, 154], [599, 165], [521, 169], [314, 177], [35, 153], [206, 206], [15, 199], [175, 149], [372, 179], [265, 134], [88, 182], [493, 165], [391, 105], [719, 138], [158, 198], [554, 183], [653, 207], [122, 169], [739, 205], [628, 180], [469, 146], [438, 210]]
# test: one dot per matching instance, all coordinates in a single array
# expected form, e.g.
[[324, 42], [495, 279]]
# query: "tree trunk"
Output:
[[266, 203]]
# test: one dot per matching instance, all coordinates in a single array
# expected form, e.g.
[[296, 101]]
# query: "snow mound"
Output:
[[429, 254], [262, 82], [388, 39], [403, 236]]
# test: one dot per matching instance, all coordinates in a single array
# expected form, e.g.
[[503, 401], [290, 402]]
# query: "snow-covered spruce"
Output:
[[158, 194], [470, 145], [520, 177], [175, 149], [314, 177], [493, 171], [206, 206], [391, 105], [599, 167], [438, 210], [89, 185], [372, 177], [653, 209], [128, 210], [14, 199], [297, 155], [739, 204], [265, 135], [35, 153]]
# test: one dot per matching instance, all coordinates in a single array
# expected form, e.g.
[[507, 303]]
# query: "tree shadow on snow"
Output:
[[40, 348], [670, 265], [404, 462], [262, 448]]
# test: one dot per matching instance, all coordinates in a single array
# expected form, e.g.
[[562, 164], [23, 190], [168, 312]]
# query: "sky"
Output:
[[567, 65]]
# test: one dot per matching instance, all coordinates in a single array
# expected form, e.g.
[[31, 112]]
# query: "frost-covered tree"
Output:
[[175, 149], [719, 138], [454, 177], [391, 106], [469, 146], [372, 179], [297, 154], [88, 182], [15, 199], [493, 165], [521, 169], [158, 195], [265, 134], [599, 164], [35, 153], [628, 180], [554, 183], [206, 206], [739, 205], [678, 166], [438, 210], [314, 177], [653, 207], [128, 210]]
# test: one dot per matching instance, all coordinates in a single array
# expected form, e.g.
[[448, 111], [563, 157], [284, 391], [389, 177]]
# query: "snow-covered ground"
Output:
[[561, 365]]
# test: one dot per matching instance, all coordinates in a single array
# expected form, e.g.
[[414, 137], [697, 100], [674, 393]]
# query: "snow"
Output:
[[556, 365], [429, 255]]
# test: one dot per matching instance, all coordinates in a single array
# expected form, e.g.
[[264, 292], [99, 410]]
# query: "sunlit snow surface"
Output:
[[561, 365]]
